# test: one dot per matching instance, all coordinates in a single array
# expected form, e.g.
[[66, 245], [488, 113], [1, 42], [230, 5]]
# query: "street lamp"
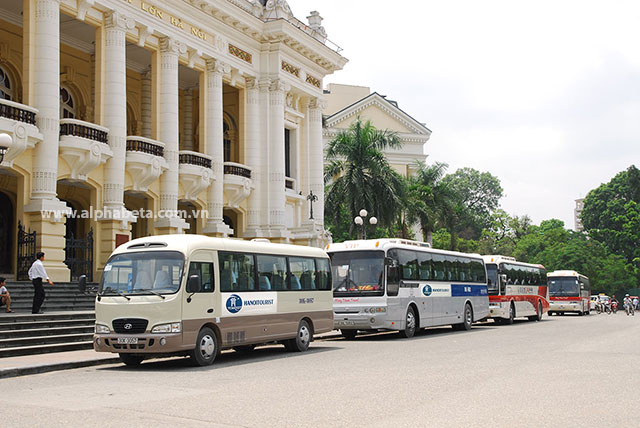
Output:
[[359, 220], [5, 143]]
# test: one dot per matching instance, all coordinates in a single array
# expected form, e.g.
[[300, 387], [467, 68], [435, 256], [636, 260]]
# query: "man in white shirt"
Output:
[[37, 274], [5, 298]]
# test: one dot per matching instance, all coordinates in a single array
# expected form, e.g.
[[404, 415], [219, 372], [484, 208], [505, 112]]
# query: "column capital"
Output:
[[264, 84], [279, 85], [169, 45], [250, 82], [118, 21], [317, 103], [217, 66]]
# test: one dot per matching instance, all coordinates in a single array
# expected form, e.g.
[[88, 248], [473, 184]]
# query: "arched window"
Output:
[[67, 105], [6, 90], [227, 142]]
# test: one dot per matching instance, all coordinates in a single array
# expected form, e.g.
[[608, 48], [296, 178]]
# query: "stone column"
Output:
[[316, 158], [168, 133], [42, 66], [145, 104], [254, 157], [187, 132], [112, 99], [214, 147], [277, 198]]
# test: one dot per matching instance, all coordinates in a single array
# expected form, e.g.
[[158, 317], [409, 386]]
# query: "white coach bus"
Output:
[[194, 295], [393, 284]]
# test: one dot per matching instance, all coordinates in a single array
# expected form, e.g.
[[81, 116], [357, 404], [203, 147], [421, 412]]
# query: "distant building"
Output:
[[576, 214], [346, 102]]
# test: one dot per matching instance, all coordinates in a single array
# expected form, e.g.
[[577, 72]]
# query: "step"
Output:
[[52, 316], [86, 328], [55, 307], [39, 325], [44, 340], [45, 349]]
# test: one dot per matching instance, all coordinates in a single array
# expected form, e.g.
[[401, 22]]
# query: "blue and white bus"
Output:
[[395, 284]]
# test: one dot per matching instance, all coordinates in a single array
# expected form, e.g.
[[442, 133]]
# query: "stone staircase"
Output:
[[66, 324]]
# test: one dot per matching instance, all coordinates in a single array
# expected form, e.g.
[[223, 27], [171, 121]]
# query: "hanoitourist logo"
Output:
[[426, 290], [234, 303]]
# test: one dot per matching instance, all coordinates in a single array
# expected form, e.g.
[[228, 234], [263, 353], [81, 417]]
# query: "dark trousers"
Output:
[[38, 295]]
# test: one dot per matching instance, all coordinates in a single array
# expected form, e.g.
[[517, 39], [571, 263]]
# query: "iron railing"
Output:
[[26, 252], [144, 147], [193, 159], [79, 256], [237, 170], [84, 131], [17, 113]]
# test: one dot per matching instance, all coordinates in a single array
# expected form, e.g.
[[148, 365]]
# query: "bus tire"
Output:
[[131, 359], [467, 319], [538, 315], [410, 324], [244, 348], [348, 333], [512, 315], [206, 349], [302, 340]]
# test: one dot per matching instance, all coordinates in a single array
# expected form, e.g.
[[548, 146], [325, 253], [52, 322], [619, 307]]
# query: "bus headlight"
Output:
[[102, 329], [375, 310], [174, 327]]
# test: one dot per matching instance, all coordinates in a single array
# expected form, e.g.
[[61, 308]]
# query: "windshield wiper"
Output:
[[110, 290], [152, 292], [120, 293]]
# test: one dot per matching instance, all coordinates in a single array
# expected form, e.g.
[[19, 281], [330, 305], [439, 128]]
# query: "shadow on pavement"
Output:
[[226, 359]]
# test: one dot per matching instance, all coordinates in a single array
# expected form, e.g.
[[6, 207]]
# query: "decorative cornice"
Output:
[[117, 20], [239, 53]]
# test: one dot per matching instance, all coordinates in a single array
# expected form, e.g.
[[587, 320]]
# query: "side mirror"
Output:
[[391, 262], [82, 283], [193, 284], [503, 279]]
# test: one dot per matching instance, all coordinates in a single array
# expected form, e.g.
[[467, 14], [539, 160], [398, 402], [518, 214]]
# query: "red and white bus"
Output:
[[569, 291], [516, 289]]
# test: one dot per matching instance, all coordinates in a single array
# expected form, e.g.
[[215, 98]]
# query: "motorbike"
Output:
[[628, 308], [614, 307], [607, 308]]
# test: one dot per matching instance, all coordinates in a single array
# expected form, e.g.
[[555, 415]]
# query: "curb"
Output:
[[45, 368]]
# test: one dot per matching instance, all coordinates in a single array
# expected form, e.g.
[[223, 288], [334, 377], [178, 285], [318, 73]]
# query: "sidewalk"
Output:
[[42, 363]]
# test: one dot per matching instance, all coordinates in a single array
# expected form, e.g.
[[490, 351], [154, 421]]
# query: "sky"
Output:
[[545, 95]]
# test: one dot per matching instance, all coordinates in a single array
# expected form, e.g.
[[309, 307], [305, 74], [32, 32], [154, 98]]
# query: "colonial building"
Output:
[[347, 102], [577, 212], [123, 114]]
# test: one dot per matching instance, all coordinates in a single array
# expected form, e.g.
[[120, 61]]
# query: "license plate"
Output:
[[128, 340], [347, 323]]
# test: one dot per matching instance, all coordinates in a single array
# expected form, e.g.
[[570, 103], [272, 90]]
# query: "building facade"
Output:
[[130, 118], [577, 212], [347, 102]]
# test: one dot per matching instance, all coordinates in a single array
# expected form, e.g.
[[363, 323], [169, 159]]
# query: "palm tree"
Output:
[[430, 201], [359, 176]]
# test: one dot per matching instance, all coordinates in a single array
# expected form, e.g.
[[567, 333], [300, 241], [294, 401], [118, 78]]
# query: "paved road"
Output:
[[528, 374]]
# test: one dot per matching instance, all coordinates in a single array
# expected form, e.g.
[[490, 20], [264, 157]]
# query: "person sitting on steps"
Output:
[[5, 298]]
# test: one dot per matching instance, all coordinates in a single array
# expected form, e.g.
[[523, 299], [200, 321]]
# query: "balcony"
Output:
[[195, 173], [145, 161], [19, 121], [83, 145], [237, 183]]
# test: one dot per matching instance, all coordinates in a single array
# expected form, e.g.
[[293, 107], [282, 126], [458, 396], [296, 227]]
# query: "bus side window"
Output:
[[424, 266], [393, 273], [323, 274]]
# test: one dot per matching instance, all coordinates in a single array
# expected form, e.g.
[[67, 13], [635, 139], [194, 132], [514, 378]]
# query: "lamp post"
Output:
[[359, 220], [5, 143]]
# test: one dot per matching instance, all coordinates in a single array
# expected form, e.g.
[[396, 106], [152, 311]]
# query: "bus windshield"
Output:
[[149, 272], [492, 277], [357, 273], [563, 287]]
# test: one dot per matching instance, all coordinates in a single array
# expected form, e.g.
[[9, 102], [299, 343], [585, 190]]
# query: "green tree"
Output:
[[479, 195], [503, 233], [611, 214], [429, 199], [359, 176]]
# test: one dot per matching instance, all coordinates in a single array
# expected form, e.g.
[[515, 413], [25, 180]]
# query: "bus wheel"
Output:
[[348, 334], [538, 315], [410, 327], [467, 319], [206, 348], [244, 348], [131, 359], [302, 340], [512, 315]]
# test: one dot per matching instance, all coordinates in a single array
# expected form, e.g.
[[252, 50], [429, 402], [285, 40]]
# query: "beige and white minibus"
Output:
[[194, 295]]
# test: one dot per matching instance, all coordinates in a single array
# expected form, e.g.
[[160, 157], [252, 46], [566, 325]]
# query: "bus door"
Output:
[[203, 305]]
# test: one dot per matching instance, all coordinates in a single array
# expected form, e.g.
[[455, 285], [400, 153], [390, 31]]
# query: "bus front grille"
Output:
[[130, 325]]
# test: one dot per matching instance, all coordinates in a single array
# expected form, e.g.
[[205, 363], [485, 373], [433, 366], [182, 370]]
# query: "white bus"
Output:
[[569, 291], [516, 289], [194, 295], [393, 284]]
